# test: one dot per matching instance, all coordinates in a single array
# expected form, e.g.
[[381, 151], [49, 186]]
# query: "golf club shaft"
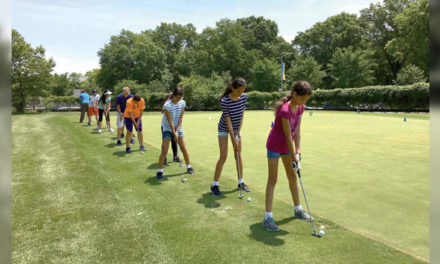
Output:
[[239, 172], [305, 198]]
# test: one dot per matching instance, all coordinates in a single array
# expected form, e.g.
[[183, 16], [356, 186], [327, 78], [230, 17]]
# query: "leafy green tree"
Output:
[[149, 60], [76, 80], [90, 81], [157, 86], [30, 72], [61, 85], [351, 68], [411, 44], [410, 74], [131, 56], [305, 68], [324, 38], [116, 59], [203, 93], [379, 21], [265, 76], [135, 87], [174, 39]]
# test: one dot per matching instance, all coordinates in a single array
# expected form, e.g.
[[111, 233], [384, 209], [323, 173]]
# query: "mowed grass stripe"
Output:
[[130, 217], [78, 215]]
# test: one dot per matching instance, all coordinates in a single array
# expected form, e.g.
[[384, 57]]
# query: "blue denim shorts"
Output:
[[169, 134], [225, 134], [275, 155]]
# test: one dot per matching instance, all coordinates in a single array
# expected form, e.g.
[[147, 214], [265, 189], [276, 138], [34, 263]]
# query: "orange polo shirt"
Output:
[[134, 107]]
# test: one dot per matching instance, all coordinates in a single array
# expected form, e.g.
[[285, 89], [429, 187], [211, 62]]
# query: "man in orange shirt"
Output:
[[133, 116]]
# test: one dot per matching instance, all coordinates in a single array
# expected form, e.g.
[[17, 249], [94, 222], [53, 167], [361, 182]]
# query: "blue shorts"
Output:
[[169, 134], [129, 124], [275, 155], [225, 134]]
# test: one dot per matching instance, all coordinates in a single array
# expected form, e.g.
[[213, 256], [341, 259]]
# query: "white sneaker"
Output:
[[99, 131], [110, 130]]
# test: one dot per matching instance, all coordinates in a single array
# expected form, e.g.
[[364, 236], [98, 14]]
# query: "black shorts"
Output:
[[101, 112]]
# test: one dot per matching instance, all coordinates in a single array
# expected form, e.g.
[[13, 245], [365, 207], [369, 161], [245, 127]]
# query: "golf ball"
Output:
[[249, 199], [321, 232]]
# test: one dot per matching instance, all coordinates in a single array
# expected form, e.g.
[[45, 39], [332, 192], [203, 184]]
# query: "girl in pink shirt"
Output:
[[284, 141]]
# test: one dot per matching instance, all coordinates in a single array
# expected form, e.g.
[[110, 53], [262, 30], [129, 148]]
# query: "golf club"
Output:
[[308, 209], [240, 195]]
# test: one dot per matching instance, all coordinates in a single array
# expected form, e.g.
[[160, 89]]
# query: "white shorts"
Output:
[[119, 122]]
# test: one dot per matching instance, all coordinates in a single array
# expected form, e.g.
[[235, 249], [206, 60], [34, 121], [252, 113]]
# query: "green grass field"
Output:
[[78, 198]]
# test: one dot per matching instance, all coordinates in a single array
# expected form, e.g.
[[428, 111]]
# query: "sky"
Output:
[[72, 32]]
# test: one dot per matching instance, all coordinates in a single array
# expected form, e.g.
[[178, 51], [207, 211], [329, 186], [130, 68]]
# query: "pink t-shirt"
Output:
[[276, 141]]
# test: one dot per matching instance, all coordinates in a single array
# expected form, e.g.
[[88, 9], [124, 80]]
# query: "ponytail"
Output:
[[300, 88], [166, 99], [227, 91], [102, 99], [232, 85]]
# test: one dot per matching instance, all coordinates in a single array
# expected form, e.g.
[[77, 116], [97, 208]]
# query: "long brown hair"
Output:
[[232, 85], [176, 91], [300, 87]]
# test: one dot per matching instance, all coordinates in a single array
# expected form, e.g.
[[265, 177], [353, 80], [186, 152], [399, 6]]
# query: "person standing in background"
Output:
[[85, 100]]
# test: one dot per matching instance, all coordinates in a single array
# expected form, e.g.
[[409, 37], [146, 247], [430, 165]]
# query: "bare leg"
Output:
[[141, 138], [128, 138], [223, 145], [291, 176], [271, 182], [163, 154], [183, 149]]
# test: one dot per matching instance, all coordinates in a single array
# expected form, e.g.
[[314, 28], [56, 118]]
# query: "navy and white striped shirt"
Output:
[[233, 109]]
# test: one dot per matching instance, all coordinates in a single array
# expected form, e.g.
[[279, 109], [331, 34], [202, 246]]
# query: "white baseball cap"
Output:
[[108, 92]]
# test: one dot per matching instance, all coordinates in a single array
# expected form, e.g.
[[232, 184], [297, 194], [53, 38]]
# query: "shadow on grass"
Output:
[[260, 234], [120, 153], [210, 201], [154, 181], [111, 145], [155, 166]]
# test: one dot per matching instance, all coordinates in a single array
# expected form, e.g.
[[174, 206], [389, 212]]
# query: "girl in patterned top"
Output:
[[173, 110]]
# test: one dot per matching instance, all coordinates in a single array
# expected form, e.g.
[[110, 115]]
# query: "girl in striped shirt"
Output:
[[233, 104], [173, 110]]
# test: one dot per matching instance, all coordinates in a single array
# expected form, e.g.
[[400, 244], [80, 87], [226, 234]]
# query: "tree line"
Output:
[[387, 44]]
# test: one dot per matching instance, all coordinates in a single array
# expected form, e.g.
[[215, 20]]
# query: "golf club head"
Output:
[[240, 195], [183, 180], [317, 234]]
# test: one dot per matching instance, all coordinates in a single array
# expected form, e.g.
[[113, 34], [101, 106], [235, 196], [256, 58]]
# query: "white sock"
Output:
[[297, 208], [160, 170], [215, 183], [240, 180], [267, 215], [188, 166]]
